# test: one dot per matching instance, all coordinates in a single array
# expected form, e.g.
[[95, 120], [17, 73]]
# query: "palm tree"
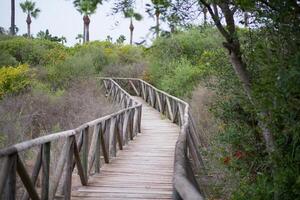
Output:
[[28, 7], [12, 24], [79, 37], [86, 8], [63, 40], [129, 13], [157, 9]]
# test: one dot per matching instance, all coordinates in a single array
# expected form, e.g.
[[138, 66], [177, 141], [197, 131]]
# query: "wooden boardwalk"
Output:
[[143, 169]]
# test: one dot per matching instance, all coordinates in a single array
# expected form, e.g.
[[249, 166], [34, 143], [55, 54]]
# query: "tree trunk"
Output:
[[87, 32], [12, 22], [28, 21], [205, 15], [131, 28], [157, 14], [86, 21], [246, 19], [83, 39], [240, 68]]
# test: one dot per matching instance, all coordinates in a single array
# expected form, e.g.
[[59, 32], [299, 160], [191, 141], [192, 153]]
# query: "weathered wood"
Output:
[[134, 88], [143, 169], [85, 151], [97, 150], [119, 132], [79, 166], [10, 188], [69, 170], [3, 173], [158, 101], [125, 127], [112, 136], [103, 145], [59, 169], [26, 180], [169, 109], [35, 171], [92, 150], [134, 124], [127, 124], [46, 168]]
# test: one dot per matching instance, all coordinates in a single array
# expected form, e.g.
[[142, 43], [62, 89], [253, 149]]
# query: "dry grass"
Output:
[[38, 113], [134, 70], [213, 179]]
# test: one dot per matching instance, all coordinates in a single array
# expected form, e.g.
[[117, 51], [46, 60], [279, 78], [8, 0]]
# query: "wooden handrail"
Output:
[[188, 143], [104, 132]]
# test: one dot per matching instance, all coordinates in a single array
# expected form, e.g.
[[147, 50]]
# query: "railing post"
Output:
[[69, 170], [10, 188], [97, 151], [85, 151], [46, 166]]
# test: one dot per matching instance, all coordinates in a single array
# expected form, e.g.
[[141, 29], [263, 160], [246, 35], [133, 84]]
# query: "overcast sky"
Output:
[[62, 19]]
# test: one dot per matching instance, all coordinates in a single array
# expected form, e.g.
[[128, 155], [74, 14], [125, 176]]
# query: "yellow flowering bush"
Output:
[[14, 79]]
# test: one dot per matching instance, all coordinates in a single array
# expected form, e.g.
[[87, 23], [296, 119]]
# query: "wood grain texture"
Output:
[[143, 169]]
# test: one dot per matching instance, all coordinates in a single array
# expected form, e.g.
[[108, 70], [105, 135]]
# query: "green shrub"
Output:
[[6, 59], [182, 80], [13, 79], [26, 50]]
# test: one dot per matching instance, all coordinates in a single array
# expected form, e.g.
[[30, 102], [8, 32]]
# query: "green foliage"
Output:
[[173, 58], [29, 8], [13, 79], [86, 7], [182, 79], [6, 59], [26, 50]]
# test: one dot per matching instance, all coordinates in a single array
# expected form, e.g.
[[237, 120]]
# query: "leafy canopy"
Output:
[[86, 7], [29, 7]]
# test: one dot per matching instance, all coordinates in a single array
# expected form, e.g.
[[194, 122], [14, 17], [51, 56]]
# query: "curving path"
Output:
[[143, 170]]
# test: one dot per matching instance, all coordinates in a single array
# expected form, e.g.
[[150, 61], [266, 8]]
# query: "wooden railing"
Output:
[[188, 143], [107, 134]]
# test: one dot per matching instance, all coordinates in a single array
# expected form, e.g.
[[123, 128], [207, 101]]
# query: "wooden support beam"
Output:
[[35, 171], [169, 109], [79, 166], [69, 170], [97, 151], [6, 165], [26, 180], [92, 150], [10, 188], [112, 136], [59, 169], [134, 88], [46, 168], [85, 151], [158, 101]]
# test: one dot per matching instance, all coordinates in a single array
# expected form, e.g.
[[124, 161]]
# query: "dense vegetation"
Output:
[[47, 87], [243, 85]]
